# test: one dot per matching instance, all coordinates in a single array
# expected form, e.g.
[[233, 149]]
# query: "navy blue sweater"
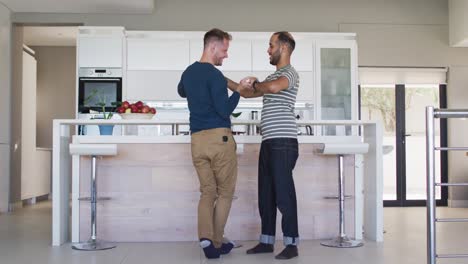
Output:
[[205, 88]]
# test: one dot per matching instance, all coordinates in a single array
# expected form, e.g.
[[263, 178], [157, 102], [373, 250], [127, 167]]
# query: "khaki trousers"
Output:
[[215, 160]]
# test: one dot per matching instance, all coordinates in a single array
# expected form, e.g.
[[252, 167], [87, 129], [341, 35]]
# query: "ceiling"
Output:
[[81, 6], [49, 36], [66, 36]]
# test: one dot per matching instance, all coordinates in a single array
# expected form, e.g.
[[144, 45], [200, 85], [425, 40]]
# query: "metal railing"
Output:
[[431, 114]]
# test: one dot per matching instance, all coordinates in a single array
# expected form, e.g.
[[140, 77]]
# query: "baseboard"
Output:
[[458, 203], [31, 201], [36, 199], [15, 206]]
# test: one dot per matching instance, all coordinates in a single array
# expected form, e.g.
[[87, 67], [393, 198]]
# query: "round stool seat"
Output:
[[93, 149], [343, 148]]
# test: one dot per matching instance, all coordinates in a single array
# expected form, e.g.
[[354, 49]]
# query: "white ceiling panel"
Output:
[[81, 6]]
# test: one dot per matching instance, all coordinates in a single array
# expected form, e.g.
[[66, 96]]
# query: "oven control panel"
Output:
[[100, 72]]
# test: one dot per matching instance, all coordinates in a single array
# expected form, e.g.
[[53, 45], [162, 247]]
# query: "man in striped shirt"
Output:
[[279, 148]]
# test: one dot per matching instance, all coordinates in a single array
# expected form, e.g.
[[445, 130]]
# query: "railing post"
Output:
[[430, 203]]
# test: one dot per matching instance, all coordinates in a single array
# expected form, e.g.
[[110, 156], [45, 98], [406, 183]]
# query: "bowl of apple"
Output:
[[137, 110]]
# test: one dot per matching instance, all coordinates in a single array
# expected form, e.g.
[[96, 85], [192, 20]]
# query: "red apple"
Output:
[[121, 110], [139, 104], [145, 109], [152, 110], [126, 104], [134, 108]]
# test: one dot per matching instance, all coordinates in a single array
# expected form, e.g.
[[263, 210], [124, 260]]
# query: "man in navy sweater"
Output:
[[212, 143]]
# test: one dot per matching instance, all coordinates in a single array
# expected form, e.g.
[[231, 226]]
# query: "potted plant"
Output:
[[107, 129]]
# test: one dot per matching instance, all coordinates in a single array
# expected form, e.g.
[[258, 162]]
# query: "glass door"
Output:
[[416, 99], [401, 110], [378, 104]]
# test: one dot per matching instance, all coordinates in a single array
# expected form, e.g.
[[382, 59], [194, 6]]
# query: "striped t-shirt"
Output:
[[278, 119]]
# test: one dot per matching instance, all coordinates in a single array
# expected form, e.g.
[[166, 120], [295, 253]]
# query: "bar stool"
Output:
[[93, 150], [342, 241]]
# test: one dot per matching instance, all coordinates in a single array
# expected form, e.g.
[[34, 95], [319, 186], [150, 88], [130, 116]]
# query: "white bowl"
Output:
[[136, 115]]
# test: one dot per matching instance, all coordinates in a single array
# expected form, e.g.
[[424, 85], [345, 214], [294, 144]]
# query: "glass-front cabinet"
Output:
[[336, 84]]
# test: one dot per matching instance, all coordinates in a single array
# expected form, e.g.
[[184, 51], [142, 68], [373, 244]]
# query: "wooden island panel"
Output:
[[154, 194]]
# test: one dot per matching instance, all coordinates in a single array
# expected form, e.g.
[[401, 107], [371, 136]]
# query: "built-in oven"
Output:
[[98, 87]]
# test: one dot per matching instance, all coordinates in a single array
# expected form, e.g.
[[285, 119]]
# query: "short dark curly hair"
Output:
[[285, 37]]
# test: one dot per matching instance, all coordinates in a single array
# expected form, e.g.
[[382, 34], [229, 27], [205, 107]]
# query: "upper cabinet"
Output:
[[303, 55], [100, 47], [337, 96], [260, 57], [157, 54], [239, 56]]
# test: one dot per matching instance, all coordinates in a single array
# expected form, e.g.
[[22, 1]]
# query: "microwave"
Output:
[[99, 86]]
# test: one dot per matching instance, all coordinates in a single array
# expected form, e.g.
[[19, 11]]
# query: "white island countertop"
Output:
[[372, 169]]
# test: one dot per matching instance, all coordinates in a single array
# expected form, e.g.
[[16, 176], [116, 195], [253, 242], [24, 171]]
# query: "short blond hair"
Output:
[[215, 34]]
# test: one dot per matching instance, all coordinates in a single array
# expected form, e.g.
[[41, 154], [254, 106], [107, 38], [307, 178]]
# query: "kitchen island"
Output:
[[154, 188]]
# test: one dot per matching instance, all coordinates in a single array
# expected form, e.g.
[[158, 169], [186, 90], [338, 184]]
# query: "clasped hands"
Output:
[[245, 86]]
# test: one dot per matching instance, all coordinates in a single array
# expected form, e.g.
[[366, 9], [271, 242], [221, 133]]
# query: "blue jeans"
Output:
[[276, 189]]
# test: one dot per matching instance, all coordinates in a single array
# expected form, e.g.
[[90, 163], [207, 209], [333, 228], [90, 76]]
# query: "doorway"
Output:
[[44, 88], [401, 110]]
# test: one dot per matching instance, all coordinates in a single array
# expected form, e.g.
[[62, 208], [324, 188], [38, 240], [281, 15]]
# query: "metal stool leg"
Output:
[[93, 243], [342, 241]]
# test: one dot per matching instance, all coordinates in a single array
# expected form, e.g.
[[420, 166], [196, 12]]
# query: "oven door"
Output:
[[94, 91]]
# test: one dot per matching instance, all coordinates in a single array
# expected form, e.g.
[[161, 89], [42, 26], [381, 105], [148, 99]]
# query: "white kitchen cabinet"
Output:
[[260, 57], [337, 93], [157, 54], [153, 85], [239, 56], [100, 51], [196, 50], [306, 90], [302, 57]]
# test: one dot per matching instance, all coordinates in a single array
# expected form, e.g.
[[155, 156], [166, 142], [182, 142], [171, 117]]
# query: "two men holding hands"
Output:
[[214, 148]]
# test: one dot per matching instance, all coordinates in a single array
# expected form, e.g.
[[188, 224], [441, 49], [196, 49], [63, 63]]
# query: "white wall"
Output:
[[16, 112], [457, 131], [5, 106], [458, 22], [390, 32], [56, 86]]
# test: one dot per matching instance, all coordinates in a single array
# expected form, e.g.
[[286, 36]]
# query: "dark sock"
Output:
[[209, 249], [289, 252], [226, 248], [261, 248]]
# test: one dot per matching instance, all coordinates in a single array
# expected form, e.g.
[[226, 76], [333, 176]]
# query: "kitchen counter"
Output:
[[367, 209]]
